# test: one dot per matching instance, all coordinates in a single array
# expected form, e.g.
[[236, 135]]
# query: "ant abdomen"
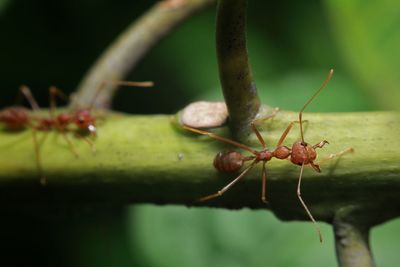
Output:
[[228, 161], [14, 118]]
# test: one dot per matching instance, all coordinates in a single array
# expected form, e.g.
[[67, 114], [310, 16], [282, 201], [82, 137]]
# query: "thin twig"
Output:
[[124, 54], [352, 239]]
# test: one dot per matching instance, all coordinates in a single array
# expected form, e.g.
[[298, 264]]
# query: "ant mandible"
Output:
[[301, 153]]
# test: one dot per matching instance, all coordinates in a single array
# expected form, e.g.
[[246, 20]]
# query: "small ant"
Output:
[[82, 118], [18, 118], [300, 154]]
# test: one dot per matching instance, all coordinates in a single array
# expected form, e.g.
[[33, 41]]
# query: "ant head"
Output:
[[302, 153], [85, 121]]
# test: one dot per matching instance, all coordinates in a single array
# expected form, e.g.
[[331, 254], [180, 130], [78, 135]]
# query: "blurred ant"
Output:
[[17, 118], [301, 153], [82, 118]]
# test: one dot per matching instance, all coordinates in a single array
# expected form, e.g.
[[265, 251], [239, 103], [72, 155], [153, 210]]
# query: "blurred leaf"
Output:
[[383, 242], [178, 236], [3, 5], [368, 35], [295, 88]]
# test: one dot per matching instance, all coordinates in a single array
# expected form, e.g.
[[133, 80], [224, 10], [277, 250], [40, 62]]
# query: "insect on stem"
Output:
[[82, 119], [300, 153]]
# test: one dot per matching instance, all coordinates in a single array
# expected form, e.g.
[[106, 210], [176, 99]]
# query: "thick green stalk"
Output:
[[235, 74], [352, 237], [151, 159]]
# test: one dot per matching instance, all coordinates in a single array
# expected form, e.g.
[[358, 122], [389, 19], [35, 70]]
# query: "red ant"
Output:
[[82, 118], [18, 118], [300, 154]]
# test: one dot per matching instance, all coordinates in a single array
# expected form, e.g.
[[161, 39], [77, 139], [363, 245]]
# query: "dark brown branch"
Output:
[[352, 239], [234, 68]]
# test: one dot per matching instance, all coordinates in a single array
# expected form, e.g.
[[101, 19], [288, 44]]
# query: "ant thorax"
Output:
[[282, 152], [46, 124], [63, 119]]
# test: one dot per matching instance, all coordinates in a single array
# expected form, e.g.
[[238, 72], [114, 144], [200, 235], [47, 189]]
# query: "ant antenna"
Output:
[[220, 138], [309, 101], [99, 89], [120, 83], [132, 83], [26, 92]]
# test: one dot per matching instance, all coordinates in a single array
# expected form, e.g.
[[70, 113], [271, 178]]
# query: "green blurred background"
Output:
[[291, 45]]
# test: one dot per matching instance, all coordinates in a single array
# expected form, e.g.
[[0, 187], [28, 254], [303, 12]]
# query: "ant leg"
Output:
[[258, 134], [264, 184], [26, 92], [71, 146], [225, 188], [286, 132], [260, 120], [53, 93], [320, 144], [331, 156], [220, 138], [87, 140], [43, 180], [305, 206], [315, 166]]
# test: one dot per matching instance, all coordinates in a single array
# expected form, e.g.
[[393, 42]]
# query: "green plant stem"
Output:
[[352, 239], [235, 74], [129, 48], [150, 159]]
